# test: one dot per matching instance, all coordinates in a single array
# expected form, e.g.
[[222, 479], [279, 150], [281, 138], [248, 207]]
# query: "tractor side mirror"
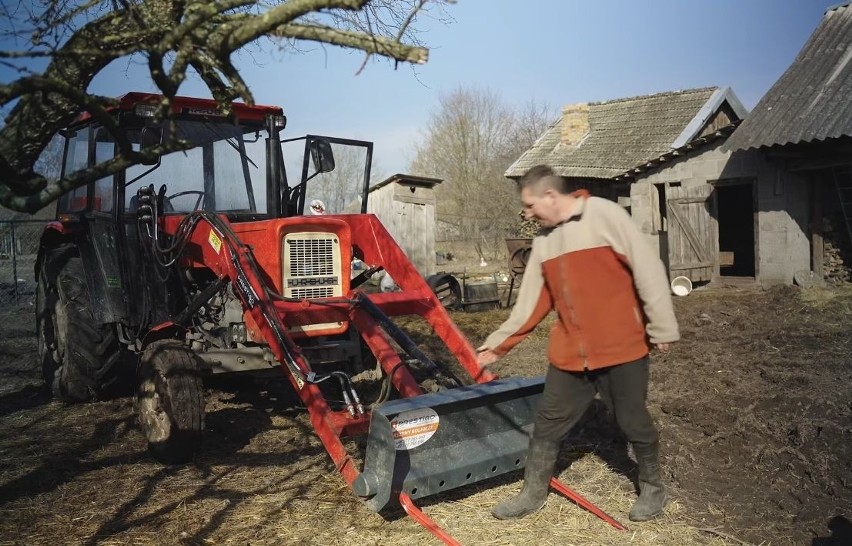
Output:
[[321, 155], [151, 136]]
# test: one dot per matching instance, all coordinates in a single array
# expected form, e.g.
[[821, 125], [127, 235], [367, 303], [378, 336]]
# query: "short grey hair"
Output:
[[541, 178]]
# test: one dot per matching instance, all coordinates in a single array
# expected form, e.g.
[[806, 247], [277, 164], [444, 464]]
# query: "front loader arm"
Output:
[[417, 445]]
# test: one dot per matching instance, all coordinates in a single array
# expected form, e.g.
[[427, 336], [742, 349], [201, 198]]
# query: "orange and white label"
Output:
[[414, 428]]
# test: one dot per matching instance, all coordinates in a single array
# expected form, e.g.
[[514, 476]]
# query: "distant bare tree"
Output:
[[63, 44], [470, 141], [531, 121], [342, 186]]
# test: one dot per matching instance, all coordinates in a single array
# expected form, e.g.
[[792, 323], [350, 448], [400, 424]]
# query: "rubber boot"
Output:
[[540, 462], [652, 494]]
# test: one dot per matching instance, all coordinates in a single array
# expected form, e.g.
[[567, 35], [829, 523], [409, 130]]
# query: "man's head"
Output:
[[545, 196]]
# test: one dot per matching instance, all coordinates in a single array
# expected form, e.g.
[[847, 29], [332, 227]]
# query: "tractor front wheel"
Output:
[[170, 401]]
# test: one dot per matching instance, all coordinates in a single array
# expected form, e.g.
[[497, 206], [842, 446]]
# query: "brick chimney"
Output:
[[575, 123]]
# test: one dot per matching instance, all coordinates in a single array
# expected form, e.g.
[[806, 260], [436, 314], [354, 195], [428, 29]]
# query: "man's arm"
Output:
[[533, 304]]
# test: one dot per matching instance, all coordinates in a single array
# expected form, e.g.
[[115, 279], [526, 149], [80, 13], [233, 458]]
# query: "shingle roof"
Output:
[[626, 133], [812, 100]]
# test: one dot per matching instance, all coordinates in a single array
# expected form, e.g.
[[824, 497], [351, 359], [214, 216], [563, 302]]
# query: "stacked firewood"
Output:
[[526, 228], [837, 251]]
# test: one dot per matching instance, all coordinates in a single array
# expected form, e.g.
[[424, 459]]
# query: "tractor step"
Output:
[[436, 442]]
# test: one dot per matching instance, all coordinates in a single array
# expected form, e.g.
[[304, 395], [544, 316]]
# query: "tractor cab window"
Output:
[[104, 151], [76, 158], [223, 171], [340, 189]]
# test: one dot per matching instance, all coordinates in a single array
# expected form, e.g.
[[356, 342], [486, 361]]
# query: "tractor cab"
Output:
[[234, 165]]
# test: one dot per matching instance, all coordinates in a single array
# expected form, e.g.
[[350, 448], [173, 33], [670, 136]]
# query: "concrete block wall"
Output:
[[783, 232], [693, 170], [783, 239]]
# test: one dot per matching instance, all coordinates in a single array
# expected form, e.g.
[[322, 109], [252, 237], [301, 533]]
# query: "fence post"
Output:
[[14, 260]]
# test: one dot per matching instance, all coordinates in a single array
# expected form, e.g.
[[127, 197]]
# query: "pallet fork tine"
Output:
[[425, 521], [583, 503], [429, 524]]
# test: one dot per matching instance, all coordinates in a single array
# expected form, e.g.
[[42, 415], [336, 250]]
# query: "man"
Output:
[[591, 265]]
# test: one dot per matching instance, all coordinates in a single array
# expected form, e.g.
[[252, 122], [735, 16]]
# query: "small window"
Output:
[[104, 151], [76, 158]]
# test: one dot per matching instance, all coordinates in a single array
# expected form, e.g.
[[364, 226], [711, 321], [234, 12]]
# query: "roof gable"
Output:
[[810, 101], [627, 133]]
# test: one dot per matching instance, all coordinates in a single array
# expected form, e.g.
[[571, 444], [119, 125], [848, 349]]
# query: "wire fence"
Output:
[[19, 242]]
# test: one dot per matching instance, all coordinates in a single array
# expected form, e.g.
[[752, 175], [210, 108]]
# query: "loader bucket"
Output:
[[436, 442]]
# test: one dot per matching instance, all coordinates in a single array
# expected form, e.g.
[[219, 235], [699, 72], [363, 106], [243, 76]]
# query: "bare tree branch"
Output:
[[81, 37]]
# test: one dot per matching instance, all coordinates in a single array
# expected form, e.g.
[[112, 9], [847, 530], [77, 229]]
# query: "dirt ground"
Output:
[[754, 407]]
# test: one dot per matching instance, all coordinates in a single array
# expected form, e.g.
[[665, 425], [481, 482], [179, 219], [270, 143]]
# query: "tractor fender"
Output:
[[54, 234], [96, 245], [166, 330]]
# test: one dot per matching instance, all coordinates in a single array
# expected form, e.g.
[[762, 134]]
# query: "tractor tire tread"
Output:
[[172, 371], [88, 350]]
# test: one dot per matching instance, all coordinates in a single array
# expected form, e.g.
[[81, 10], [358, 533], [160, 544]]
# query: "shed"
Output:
[[405, 204], [802, 126], [658, 156]]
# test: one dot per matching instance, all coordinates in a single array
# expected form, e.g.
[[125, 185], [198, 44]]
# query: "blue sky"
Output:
[[554, 51]]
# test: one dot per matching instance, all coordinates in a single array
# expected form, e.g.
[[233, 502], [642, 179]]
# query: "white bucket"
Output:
[[681, 286]]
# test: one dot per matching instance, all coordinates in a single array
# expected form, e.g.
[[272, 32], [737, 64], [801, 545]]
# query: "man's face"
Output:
[[540, 205]]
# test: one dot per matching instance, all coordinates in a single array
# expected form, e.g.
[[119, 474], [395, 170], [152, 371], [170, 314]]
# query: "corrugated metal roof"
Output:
[[812, 100], [625, 133]]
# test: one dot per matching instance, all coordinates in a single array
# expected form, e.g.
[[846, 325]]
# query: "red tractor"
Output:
[[204, 263]]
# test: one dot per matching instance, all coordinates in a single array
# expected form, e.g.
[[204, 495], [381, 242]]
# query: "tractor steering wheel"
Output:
[[188, 192]]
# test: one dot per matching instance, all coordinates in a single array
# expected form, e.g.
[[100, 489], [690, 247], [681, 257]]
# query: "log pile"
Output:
[[526, 228], [837, 251]]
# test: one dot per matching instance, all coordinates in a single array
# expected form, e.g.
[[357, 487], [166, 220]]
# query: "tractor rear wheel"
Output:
[[170, 401], [47, 317], [76, 352]]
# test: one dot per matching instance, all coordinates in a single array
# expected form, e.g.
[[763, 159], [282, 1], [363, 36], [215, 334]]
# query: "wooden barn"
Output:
[[406, 206]]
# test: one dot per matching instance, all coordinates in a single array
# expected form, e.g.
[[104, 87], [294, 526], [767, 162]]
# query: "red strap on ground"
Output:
[[424, 520], [576, 497]]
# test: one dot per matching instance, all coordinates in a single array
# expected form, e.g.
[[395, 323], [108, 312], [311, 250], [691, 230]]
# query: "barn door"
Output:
[[691, 234]]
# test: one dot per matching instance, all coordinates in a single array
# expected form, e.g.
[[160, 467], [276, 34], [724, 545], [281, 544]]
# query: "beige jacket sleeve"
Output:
[[533, 304]]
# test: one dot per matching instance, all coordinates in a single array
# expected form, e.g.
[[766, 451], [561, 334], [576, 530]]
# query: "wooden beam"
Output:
[[817, 244], [692, 265]]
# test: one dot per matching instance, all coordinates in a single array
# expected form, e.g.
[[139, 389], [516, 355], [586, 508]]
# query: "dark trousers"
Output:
[[623, 388]]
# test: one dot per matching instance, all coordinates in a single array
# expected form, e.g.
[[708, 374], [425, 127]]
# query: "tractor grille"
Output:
[[309, 257], [311, 265], [310, 293]]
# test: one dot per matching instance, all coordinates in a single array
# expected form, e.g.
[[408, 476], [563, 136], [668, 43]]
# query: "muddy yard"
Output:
[[754, 407]]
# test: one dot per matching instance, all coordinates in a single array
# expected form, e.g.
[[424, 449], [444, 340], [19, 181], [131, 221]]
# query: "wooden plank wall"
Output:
[[693, 248], [410, 219]]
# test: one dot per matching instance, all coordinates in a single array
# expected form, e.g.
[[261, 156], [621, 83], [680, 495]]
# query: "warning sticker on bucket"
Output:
[[414, 428]]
